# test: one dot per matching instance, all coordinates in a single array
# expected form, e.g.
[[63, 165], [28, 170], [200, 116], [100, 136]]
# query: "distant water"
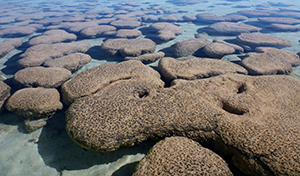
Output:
[[49, 151]]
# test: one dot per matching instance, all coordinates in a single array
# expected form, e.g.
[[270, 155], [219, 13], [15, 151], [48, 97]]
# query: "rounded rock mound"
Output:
[[51, 77], [188, 47], [181, 156], [231, 28], [72, 62], [269, 61], [128, 47], [9, 45], [256, 40], [196, 68], [4, 94]]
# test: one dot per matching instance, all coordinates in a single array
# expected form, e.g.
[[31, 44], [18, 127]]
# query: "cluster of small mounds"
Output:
[[244, 117], [164, 31], [9, 45]]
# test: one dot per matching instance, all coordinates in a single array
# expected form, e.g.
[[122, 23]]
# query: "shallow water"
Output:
[[49, 150]]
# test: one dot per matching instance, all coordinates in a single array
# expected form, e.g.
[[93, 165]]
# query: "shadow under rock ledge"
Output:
[[60, 152]]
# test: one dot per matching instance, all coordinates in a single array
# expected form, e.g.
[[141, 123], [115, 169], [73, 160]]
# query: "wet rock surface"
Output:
[[9, 45], [231, 28], [72, 62], [263, 40], [196, 68], [51, 77], [97, 31], [128, 47], [188, 47], [269, 60], [17, 31], [38, 54], [181, 156], [52, 36], [218, 50], [128, 33], [280, 20], [4, 94], [165, 31], [35, 103], [147, 58], [232, 118]]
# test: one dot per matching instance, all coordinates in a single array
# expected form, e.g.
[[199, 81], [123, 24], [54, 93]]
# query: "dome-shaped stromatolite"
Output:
[[165, 31], [9, 45], [252, 119], [51, 77], [38, 54], [52, 36], [181, 156], [195, 68], [218, 50], [262, 40], [284, 27], [231, 28], [280, 20], [96, 31], [126, 23], [128, 47], [4, 94], [188, 47], [35, 104], [17, 31], [72, 62], [270, 61], [128, 33], [147, 58], [92, 80]]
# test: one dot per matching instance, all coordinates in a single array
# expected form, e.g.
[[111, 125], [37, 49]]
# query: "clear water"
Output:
[[49, 151]]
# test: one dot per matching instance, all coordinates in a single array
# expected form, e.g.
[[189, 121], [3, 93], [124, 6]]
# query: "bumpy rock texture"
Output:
[[4, 94], [72, 62], [147, 58], [270, 61], [95, 79], [9, 45], [253, 120], [52, 36], [128, 47], [231, 28], [196, 68], [51, 77], [262, 40], [181, 156], [38, 54], [188, 47], [164, 31], [34, 103]]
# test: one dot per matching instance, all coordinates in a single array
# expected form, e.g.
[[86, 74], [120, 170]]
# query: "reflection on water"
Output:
[[49, 150]]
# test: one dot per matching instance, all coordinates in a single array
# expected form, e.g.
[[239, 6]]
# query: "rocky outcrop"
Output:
[[128, 33], [36, 105], [9, 45], [267, 61], [252, 120], [147, 58], [188, 47], [38, 54], [51, 77], [126, 23], [97, 31], [181, 156], [18, 31], [4, 94], [256, 40], [72, 62], [128, 47], [164, 31], [52, 36], [231, 28], [196, 68]]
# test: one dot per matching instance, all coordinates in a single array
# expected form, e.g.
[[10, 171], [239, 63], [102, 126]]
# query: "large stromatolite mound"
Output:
[[38, 54], [256, 40], [9, 45], [4, 94], [128, 47], [164, 31], [147, 58], [253, 120], [269, 60], [231, 28], [181, 156], [196, 68], [97, 31], [93, 80], [52, 36], [51, 77], [72, 62], [36, 105], [19, 31], [280, 20], [188, 47]]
